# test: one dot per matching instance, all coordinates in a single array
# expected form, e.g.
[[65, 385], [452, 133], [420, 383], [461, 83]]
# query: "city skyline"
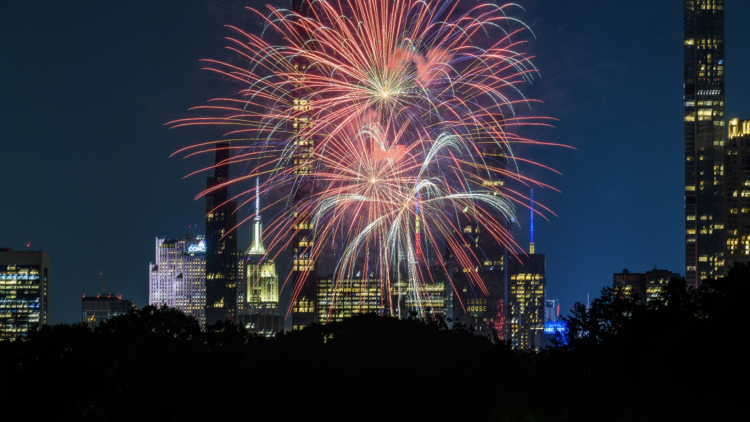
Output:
[[165, 192]]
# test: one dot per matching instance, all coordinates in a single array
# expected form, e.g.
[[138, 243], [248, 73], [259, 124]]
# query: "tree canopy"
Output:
[[679, 358]]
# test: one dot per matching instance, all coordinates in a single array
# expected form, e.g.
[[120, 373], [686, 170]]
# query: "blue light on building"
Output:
[[552, 327]]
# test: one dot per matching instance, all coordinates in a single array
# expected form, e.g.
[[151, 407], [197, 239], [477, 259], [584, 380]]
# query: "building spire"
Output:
[[531, 226], [418, 239], [257, 198], [257, 248]]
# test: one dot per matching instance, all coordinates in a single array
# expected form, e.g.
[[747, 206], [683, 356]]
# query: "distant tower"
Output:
[[221, 243], [527, 294], [703, 47], [531, 226], [303, 277], [260, 312]]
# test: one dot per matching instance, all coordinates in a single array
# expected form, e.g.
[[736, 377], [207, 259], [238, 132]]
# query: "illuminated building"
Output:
[[737, 192], [527, 281], [304, 267], [258, 293], [468, 302], [262, 287], [339, 299], [704, 139], [178, 276], [428, 296], [628, 282], [647, 285], [98, 308], [221, 243], [24, 291], [656, 280]]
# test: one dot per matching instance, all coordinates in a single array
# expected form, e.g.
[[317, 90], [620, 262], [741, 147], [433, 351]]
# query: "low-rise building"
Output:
[[99, 308]]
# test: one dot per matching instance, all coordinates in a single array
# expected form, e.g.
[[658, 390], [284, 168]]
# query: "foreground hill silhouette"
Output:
[[682, 358]]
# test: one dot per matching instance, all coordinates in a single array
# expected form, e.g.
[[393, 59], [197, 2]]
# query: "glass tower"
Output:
[[704, 139], [221, 243], [304, 268]]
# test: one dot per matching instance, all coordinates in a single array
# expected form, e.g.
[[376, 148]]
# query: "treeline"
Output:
[[681, 358]]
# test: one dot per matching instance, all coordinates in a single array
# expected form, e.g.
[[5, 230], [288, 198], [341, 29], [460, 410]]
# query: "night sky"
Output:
[[87, 86]]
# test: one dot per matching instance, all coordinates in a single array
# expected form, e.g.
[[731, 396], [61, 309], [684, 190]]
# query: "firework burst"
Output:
[[383, 120]]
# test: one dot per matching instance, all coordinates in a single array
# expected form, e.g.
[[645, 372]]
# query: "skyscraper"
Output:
[[178, 276], [704, 139], [737, 192], [527, 283], [304, 268], [24, 292], [221, 243], [481, 305], [258, 302]]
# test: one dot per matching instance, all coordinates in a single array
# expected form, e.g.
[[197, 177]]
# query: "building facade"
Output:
[[737, 192], [647, 285], [704, 139], [95, 309], [177, 278], [478, 295], [222, 257], [527, 282], [24, 292], [339, 299]]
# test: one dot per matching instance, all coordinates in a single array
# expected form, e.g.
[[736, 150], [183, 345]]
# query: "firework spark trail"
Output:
[[403, 105]]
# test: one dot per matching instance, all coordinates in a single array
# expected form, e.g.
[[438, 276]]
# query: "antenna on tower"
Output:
[[418, 240], [531, 226], [257, 247], [101, 277], [257, 198]]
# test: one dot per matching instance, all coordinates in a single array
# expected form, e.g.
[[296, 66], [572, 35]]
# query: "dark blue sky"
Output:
[[86, 86]]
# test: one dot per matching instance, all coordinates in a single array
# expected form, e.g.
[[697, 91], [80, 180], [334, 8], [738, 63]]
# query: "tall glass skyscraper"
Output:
[[304, 268], [704, 139], [221, 243]]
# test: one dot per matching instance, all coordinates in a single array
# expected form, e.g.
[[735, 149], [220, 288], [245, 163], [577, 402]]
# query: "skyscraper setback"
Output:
[[736, 160], [221, 243], [704, 139]]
